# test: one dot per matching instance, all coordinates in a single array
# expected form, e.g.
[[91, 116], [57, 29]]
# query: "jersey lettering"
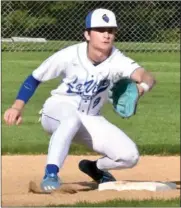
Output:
[[89, 89]]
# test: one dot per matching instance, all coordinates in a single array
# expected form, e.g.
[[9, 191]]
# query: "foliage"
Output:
[[139, 21]]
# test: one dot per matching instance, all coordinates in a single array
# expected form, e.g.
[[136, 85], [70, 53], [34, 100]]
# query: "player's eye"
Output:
[[102, 30]]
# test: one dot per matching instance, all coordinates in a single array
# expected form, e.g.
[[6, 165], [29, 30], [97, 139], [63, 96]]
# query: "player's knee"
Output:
[[130, 159], [133, 159]]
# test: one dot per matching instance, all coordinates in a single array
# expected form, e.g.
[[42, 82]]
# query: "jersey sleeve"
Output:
[[52, 67], [124, 66]]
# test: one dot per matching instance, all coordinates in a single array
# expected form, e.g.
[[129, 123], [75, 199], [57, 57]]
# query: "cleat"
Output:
[[107, 177], [50, 183], [89, 167]]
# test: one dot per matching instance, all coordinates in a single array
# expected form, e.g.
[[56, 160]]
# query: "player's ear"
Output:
[[87, 35]]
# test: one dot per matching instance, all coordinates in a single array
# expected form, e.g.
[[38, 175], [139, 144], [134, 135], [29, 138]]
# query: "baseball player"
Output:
[[89, 72]]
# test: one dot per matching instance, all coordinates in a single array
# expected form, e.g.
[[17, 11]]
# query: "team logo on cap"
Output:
[[105, 18]]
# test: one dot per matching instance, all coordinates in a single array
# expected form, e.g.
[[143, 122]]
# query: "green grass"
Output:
[[127, 203], [124, 46], [155, 128]]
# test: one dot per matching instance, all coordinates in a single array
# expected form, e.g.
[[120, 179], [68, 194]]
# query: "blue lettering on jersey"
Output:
[[103, 85], [88, 89]]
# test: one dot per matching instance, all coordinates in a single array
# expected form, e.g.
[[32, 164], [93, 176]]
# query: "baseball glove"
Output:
[[124, 96]]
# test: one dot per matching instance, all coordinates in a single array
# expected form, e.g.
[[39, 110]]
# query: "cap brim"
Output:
[[101, 27]]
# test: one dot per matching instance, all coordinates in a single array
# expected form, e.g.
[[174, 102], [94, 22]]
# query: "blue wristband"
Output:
[[27, 89]]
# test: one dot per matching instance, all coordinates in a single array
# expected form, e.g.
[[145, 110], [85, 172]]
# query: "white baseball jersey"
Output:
[[83, 84]]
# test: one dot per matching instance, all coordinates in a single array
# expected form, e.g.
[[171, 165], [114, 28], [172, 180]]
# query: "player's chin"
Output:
[[106, 46]]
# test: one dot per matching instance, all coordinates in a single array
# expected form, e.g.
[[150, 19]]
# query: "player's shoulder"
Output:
[[117, 53], [118, 56]]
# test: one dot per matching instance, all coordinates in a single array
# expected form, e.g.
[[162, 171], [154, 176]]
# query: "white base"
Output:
[[130, 185]]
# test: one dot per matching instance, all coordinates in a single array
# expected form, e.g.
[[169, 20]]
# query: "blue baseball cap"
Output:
[[100, 18]]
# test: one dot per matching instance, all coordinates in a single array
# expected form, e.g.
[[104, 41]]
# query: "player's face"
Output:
[[101, 38]]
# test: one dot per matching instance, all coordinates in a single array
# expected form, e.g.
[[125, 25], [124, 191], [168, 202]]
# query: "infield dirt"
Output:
[[18, 171]]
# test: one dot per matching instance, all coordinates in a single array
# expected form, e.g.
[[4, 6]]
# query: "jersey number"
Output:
[[96, 102]]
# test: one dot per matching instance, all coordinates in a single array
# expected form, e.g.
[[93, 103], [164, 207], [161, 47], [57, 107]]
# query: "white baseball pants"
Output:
[[67, 125]]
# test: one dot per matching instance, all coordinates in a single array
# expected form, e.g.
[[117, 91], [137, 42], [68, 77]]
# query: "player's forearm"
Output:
[[27, 89], [148, 79], [144, 79], [18, 104]]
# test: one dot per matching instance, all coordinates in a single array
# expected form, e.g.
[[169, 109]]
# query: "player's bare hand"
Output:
[[12, 116]]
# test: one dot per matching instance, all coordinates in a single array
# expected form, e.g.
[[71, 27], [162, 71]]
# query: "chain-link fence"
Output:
[[52, 25]]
